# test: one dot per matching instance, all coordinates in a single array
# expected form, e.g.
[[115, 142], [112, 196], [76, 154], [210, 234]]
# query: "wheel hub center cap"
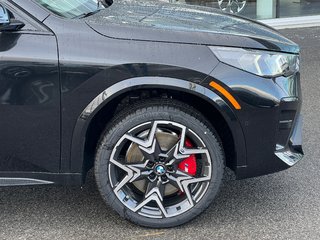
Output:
[[160, 170]]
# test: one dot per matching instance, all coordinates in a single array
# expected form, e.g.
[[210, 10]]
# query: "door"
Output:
[[29, 99]]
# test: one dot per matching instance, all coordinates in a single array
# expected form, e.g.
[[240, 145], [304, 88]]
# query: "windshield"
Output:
[[71, 8]]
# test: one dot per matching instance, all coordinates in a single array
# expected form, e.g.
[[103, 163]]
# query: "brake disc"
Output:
[[166, 141]]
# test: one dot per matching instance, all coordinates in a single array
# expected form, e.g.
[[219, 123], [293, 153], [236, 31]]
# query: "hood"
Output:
[[178, 23]]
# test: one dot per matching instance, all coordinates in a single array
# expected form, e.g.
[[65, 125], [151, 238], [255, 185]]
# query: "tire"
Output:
[[145, 173]]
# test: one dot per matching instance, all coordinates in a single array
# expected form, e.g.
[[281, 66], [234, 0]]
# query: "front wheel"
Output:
[[159, 163]]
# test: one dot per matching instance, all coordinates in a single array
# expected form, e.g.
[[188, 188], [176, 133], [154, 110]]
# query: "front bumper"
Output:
[[292, 152], [274, 141], [270, 120]]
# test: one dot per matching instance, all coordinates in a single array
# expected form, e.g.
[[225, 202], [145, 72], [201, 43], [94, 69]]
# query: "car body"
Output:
[[63, 80]]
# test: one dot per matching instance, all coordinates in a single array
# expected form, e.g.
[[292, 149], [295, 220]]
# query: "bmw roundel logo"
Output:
[[160, 170]]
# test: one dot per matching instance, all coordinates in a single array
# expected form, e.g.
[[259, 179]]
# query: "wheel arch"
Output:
[[107, 102]]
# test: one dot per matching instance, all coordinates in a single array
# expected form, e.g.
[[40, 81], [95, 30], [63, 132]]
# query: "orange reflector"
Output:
[[225, 93]]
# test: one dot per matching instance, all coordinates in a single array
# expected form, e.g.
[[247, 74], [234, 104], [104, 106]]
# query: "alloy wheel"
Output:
[[160, 169]]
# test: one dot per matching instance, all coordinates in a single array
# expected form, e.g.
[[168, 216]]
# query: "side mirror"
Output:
[[6, 24], [106, 3], [4, 17]]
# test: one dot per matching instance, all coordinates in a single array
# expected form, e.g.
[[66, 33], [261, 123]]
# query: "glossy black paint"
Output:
[[265, 103], [56, 79], [29, 102]]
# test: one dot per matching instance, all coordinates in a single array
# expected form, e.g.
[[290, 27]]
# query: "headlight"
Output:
[[261, 63]]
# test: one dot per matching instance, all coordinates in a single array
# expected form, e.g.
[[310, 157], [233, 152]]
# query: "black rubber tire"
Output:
[[158, 109]]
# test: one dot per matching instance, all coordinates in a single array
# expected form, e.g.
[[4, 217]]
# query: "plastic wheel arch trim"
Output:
[[146, 82]]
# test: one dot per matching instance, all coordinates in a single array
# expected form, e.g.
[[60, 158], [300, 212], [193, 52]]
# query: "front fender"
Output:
[[83, 122]]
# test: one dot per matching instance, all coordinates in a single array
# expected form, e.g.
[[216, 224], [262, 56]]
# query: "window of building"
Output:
[[262, 9]]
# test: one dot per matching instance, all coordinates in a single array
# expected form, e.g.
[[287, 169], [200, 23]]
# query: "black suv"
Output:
[[159, 99]]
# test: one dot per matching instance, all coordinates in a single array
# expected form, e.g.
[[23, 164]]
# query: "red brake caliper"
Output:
[[189, 165]]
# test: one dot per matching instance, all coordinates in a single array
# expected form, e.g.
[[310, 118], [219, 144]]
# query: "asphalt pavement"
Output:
[[284, 205]]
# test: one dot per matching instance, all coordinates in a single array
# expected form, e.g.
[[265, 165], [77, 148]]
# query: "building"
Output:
[[277, 13]]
